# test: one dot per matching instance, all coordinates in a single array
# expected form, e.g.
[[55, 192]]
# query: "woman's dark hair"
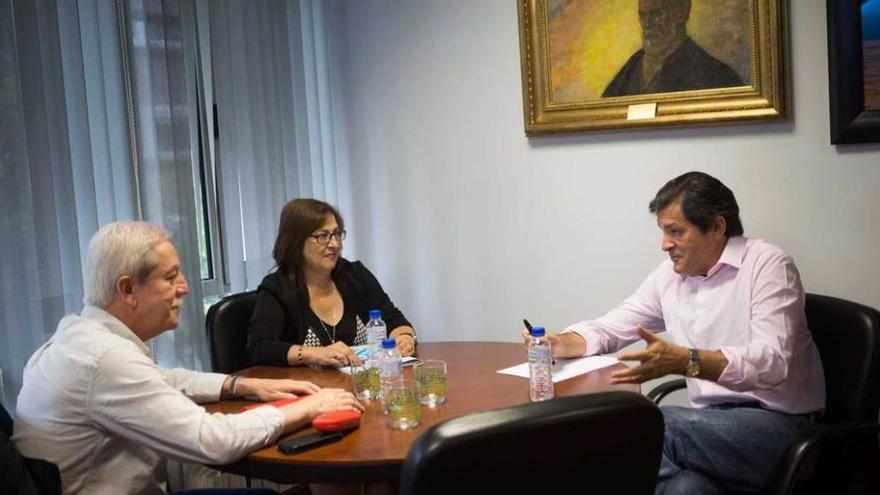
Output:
[[299, 218], [703, 198]]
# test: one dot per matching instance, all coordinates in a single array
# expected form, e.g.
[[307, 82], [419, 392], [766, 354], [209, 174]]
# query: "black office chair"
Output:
[[22, 475], [6, 422], [608, 442], [227, 323], [840, 455]]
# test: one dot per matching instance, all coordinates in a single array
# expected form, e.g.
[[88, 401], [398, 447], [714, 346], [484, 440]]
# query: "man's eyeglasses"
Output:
[[323, 237]]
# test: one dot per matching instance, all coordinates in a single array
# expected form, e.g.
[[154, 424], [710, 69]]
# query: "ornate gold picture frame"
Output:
[[585, 62]]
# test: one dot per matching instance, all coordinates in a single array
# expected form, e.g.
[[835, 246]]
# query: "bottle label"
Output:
[[376, 333], [539, 354]]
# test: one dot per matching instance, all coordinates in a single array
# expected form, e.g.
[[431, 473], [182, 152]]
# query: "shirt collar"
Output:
[[114, 325], [731, 256]]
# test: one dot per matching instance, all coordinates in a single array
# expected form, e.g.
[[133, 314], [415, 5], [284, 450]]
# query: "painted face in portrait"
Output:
[[159, 297], [323, 247], [664, 24], [692, 251]]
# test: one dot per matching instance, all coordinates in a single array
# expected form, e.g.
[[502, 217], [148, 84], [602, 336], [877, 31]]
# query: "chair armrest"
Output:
[[46, 475], [796, 470], [660, 391]]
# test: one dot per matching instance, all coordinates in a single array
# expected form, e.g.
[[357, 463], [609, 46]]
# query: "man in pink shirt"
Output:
[[733, 310]]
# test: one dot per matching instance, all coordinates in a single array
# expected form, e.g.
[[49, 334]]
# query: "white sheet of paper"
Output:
[[566, 368]]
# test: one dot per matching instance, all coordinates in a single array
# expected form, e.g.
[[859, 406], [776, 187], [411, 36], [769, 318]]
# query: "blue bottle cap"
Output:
[[537, 331], [388, 343], [375, 314]]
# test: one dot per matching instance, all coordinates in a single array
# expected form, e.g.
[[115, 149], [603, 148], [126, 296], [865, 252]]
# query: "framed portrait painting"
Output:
[[854, 70], [600, 64]]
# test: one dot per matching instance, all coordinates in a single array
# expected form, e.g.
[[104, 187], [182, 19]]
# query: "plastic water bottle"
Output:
[[540, 377], [376, 329], [376, 333], [390, 367]]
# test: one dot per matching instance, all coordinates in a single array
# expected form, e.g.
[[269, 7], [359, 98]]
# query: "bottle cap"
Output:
[[388, 343], [375, 314], [537, 331]]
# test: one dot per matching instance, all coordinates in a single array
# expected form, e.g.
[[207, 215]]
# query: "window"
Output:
[[207, 200]]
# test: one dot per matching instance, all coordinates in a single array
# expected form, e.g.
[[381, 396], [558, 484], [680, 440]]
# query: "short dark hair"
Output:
[[703, 198], [299, 218]]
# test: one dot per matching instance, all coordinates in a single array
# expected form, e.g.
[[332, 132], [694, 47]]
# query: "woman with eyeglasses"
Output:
[[314, 305]]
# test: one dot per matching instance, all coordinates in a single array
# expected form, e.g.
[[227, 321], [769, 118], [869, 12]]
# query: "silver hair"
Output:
[[116, 250]]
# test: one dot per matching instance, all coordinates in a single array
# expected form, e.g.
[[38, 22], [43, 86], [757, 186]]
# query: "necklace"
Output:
[[335, 317], [333, 327]]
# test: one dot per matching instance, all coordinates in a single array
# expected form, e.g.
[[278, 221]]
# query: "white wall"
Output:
[[471, 226]]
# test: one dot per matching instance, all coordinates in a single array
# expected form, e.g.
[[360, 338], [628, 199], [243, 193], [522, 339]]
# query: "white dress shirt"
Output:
[[750, 306], [96, 405]]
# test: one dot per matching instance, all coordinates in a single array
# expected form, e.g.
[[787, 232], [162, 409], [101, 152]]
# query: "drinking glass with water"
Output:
[[431, 375], [403, 403], [365, 382]]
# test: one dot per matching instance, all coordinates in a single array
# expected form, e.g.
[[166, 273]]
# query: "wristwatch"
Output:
[[694, 366]]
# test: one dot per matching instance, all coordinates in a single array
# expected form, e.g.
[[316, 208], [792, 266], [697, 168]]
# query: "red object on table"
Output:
[[337, 421]]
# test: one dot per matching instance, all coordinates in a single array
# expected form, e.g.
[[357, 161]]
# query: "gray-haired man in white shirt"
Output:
[[94, 402]]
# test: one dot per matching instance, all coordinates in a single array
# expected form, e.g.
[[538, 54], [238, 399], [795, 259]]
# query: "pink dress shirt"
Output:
[[750, 306]]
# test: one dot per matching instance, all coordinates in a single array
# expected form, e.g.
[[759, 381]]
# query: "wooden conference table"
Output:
[[374, 452]]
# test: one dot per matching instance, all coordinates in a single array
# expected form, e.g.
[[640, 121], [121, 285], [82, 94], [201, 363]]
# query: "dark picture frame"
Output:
[[850, 121], [553, 47]]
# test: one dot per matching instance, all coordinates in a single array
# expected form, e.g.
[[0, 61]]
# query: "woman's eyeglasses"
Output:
[[323, 237]]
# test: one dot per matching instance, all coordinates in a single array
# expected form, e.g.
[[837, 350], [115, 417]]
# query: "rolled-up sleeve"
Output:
[[777, 315], [617, 327], [198, 387], [130, 397]]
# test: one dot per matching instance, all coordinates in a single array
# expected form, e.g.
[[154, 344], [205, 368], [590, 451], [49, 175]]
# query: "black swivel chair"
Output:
[[21, 475], [841, 454], [605, 443], [227, 323]]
